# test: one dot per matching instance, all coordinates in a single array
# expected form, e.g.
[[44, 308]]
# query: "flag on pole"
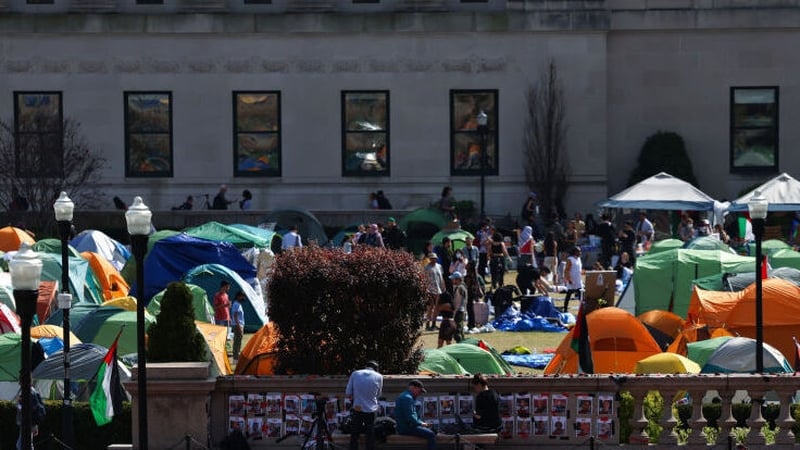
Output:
[[580, 342], [106, 399]]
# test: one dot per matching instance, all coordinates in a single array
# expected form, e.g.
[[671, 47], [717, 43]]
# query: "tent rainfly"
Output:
[[782, 193], [661, 191]]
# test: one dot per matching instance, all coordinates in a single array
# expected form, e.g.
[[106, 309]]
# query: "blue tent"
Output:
[[209, 276], [174, 256]]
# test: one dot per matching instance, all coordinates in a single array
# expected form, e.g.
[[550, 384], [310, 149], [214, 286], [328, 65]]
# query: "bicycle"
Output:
[[318, 436]]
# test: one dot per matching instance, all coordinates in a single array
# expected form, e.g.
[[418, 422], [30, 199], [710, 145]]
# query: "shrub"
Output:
[[663, 152], [174, 336], [334, 311]]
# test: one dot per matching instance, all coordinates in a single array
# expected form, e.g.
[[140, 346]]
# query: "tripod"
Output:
[[318, 436]]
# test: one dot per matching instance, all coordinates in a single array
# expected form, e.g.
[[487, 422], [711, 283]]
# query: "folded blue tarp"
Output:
[[534, 361], [535, 318]]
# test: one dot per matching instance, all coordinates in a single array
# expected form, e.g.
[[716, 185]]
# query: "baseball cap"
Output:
[[432, 256], [456, 276], [417, 383], [391, 219], [373, 364]]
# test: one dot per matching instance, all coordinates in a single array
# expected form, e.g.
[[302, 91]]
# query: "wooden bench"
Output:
[[442, 440]]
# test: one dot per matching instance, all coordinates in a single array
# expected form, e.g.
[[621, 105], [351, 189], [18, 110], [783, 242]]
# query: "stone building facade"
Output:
[[316, 103]]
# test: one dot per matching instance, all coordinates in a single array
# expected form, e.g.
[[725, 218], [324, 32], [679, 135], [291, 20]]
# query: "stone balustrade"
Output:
[[726, 390]]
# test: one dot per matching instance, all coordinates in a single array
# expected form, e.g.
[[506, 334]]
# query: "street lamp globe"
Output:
[[138, 218], [26, 269], [64, 208], [757, 206]]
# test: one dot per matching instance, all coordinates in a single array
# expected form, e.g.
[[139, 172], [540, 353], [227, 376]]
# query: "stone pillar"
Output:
[[178, 399]]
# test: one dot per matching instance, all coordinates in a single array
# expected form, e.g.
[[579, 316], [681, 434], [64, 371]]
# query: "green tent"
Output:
[[664, 280], [419, 225], [10, 345], [100, 325], [457, 236], [474, 359], [664, 245], [128, 271], [784, 258], [700, 351], [239, 237], [771, 245], [203, 311], [51, 245], [441, 363]]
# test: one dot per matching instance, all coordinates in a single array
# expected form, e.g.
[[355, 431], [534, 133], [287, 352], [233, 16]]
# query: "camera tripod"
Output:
[[318, 436]]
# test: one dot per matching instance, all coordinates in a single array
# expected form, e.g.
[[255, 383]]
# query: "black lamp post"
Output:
[[758, 206], [64, 208], [138, 219], [483, 132], [26, 272]]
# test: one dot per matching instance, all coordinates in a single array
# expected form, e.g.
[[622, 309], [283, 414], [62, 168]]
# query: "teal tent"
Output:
[[771, 245], [700, 351], [83, 283], [664, 280], [438, 362], [203, 311], [784, 258], [707, 243], [51, 245], [100, 325], [239, 237], [209, 276], [738, 355]]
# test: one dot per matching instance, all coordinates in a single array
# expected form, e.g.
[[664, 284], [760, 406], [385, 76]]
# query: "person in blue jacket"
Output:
[[406, 416]]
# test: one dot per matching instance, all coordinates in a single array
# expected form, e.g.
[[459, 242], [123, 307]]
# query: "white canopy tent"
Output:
[[661, 191], [782, 193]]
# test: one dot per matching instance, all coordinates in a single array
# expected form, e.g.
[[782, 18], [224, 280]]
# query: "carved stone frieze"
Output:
[[346, 66], [92, 67], [383, 66], [201, 66], [457, 65], [163, 66], [417, 65], [239, 66], [128, 66], [54, 66], [492, 65], [309, 65], [18, 65], [271, 65]]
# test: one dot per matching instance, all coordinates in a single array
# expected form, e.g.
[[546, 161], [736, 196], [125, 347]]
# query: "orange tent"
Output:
[[258, 355], [12, 237], [112, 283], [666, 322], [735, 312], [617, 339]]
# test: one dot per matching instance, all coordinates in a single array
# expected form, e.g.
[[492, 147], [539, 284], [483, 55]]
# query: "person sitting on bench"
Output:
[[408, 422]]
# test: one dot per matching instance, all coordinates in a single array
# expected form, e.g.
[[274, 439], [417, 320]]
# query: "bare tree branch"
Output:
[[544, 142]]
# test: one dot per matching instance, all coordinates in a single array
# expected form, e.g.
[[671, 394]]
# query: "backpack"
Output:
[[384, 426], [38, 411]]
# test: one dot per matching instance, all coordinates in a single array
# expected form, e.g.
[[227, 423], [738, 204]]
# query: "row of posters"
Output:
[[268, 415]]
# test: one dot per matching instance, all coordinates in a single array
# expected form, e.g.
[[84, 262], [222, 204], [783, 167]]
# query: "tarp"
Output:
[[111, 282], [171, 258], [215, 231], [203, 311], [666, 363], [782, 193], [437, 362], [617, 341], [700, 351], [12, 237], [98, 242], [51, 245], [129, 270], [308, 226], [84, 359], [209, 276], [664, 280], [258, 355], [735, 311], [661, 191], [738, 355], [215, 337]]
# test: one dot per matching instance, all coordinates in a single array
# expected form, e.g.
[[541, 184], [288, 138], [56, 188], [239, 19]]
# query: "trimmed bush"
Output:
[[335, 311], [174, 336]]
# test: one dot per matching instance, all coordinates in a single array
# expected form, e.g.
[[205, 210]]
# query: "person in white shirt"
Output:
[[364, 387], [292, 239], [644, 229], [573, 275]]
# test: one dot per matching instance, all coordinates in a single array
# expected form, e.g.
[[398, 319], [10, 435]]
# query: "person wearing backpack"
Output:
[[38, 413]]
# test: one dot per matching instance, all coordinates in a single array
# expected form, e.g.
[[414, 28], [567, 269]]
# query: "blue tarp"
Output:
[[171, 258], [534, 361], [535, 318]]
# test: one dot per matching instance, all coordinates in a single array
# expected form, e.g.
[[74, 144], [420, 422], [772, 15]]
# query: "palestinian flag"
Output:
[[580, 342], [107, 396]]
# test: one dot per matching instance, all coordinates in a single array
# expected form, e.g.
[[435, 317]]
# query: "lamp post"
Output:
[[64, 208], [138, 219], [483, 131], [757, 207], [26, 272]]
